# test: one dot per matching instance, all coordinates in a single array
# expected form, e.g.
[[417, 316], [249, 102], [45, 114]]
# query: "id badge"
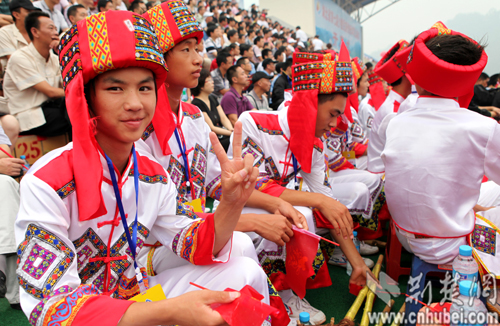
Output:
[[350, 155], [152, 294], [196, 205]]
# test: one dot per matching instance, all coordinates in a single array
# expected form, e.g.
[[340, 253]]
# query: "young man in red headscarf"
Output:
[[390, 69], [361, 191], [287, 145], [88, 208], [437, 153]]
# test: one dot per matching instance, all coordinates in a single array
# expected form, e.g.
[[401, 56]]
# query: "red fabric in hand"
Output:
[[247, 310], [300, 253]]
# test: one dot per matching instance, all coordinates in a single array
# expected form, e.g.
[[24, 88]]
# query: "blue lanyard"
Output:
[[295, 169], [132, 240], [182, 147]]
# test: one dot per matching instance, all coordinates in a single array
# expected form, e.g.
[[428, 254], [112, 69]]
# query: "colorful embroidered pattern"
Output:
[[250, 147], [38, 261], [183, 208], [128, 287], [308, 56], [71, 57], [99, 43], [89, 245], [442, 30], [149, 130], [212, 187], [66, 190], [302, 78], [56, 256], [159, 22], [184, 19], [373, 78], [150, 178], [319, 149], [37, 311], [64, 311], [262, 183], [410, 56], [146, 47], [270, 132], [484, 239], [185, 242], [343, 82], [327, 78], [194, 116]]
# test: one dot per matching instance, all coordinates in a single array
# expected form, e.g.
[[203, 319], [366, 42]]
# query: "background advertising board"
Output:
[[334, 24]]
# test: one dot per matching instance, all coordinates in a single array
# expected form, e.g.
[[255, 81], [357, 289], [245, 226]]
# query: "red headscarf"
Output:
[[173, 23], [314, 74], [99, 43], [437, 76], [390, 69]]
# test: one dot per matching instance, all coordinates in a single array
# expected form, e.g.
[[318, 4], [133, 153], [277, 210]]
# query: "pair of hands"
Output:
[[11, 166], [338, 215], [277, 227]]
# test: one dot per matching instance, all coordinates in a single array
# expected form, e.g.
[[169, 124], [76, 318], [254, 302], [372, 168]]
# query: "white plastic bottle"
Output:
[[467, 309], [465, 265], [357, 244], [304, 318]]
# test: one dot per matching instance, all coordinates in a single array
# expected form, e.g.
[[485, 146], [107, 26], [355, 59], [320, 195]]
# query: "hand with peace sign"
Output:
[[238, 178]]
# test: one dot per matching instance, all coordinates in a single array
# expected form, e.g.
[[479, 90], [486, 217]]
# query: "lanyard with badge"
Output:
[[179, 137], [132, 240]]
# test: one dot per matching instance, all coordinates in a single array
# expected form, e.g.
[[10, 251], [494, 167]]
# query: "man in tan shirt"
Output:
[[32, 82], [14, 37]]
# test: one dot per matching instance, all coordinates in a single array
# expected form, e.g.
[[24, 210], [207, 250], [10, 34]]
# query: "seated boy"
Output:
[[437, 152], [77, 258], [287, 143]]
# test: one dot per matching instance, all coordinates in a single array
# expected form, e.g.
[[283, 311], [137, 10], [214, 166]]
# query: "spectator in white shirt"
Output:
[[76, 13], [257, 49], [32, 82], [300, 34], [14, 36], [56, 16], [214, 41], [317, 43]]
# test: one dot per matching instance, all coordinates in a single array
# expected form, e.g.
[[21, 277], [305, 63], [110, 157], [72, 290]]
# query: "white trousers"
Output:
[[358, 190], [9, 206], [175, 273]]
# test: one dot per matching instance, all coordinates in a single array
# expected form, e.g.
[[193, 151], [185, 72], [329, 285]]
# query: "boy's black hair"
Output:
[[230, 73], [74, 8], [493, 80], [244, 47], [266, 52], [368, 65], [222, 57], [257, 39], [231, 33], [241, 61], [483, 76], [232, 46], [102, 4], [211, 29], [32, 21], [322, 98], [455, 49], [135, 4]]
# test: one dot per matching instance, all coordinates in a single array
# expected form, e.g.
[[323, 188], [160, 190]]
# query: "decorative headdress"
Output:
[[437, 76], [99, 43], [357, 72], [314, 74], [390, 69], [173, 23]]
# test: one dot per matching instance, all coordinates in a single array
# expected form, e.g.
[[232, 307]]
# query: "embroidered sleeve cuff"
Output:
[[269, 186]]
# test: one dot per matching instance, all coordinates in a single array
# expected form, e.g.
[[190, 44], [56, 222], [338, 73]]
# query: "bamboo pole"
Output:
[[370, 298], [385, 313], [397, 321], [351, 314]]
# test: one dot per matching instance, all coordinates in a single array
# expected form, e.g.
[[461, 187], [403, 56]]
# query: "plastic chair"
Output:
[[393, 254]]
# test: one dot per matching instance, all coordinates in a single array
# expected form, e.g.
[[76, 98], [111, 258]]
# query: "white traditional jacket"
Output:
[[265, 136], [377, 133], [435, 157], [65, 262], [366, 113]]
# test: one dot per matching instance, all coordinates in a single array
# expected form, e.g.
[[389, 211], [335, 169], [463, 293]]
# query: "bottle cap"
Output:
[[304, 317], [22, 157], [465, 250], [465, 286], [355, 233]]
